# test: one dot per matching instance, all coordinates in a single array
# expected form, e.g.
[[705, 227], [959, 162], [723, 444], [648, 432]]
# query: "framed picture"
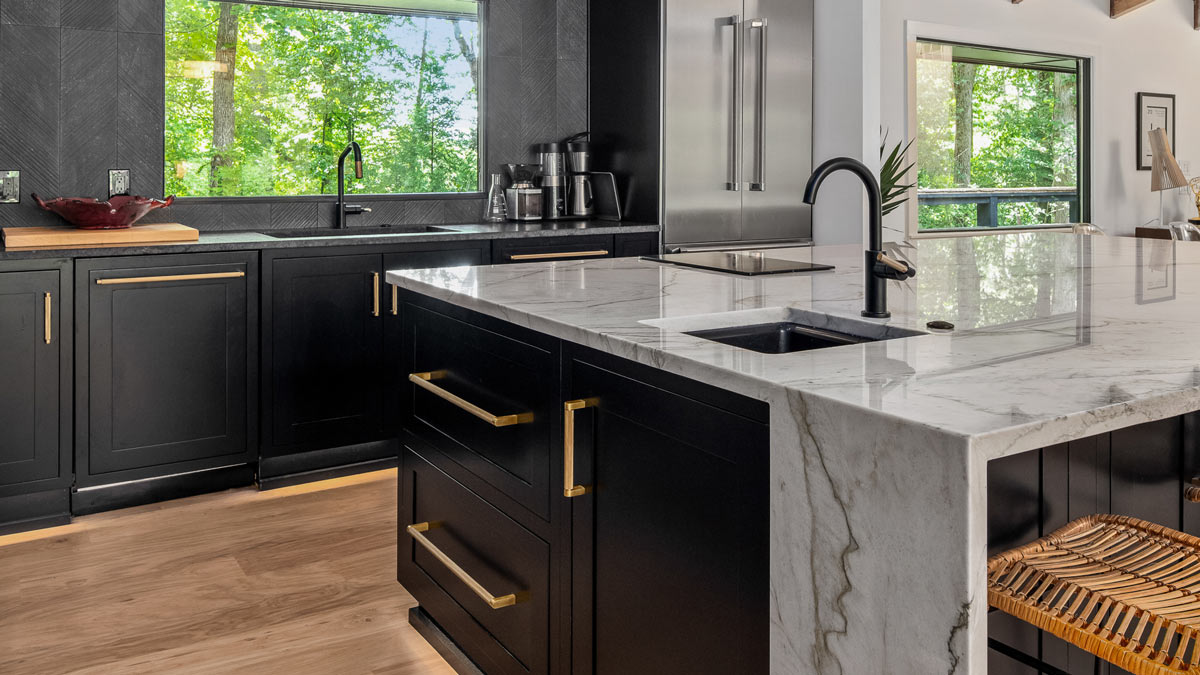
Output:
[[1155, 271], [1154, 111]]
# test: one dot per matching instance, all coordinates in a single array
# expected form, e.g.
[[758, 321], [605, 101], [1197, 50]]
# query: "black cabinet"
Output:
[[35, 462], [164, 368], [670, 541], [633, 245], [326, 378]]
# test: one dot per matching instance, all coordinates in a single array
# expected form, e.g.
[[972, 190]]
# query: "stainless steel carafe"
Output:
[[583, 203]]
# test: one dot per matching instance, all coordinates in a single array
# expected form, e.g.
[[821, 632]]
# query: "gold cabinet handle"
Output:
[[557, 256], [395, 301], [375, 294], [164, 279], [570, 489], [416, 532], [425, 381], [48, 311]]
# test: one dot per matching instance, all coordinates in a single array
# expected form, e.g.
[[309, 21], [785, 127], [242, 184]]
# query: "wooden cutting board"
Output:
[[25, 238]]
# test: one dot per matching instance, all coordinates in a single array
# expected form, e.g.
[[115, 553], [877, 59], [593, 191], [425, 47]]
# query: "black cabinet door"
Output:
[[633, 245], [325, 380], [169, 353], [670, 543], [29, 372]]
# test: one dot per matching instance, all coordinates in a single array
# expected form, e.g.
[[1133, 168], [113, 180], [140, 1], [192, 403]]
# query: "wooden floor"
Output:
[[298, 580]]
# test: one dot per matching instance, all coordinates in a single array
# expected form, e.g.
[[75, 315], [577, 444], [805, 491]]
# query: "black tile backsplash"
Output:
[[81, 92]]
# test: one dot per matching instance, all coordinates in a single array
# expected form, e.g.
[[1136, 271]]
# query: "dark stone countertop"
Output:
[[370, 236]]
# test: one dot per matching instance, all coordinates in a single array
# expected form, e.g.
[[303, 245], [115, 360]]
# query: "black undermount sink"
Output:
[[381, 230], [779, 338]]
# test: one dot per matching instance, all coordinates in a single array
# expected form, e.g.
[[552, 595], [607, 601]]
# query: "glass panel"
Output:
[[997, 144], [261, 99]]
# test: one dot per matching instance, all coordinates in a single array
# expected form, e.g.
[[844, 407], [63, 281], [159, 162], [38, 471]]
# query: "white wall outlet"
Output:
[[10, 187], [118, 182]]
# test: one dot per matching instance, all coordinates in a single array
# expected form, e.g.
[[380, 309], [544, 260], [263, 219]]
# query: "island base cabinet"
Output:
[[476, 546], [670, 541]]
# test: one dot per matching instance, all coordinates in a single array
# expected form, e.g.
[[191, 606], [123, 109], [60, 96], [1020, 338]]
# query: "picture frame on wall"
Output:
[[1154, 111]]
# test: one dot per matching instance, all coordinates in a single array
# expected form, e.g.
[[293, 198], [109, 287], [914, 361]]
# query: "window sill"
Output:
[[986, 232], [356, 197]]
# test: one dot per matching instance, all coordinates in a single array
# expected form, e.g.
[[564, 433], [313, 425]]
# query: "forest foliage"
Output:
[[995, 126], [261, 100]]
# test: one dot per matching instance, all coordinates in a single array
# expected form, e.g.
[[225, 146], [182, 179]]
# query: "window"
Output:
[[263, 95], [1001, 138]]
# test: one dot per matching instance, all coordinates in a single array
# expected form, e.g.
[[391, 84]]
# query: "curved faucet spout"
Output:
[[874, 194]]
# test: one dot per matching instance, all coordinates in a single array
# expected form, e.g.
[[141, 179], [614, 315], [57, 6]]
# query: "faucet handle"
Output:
[[890, 268]]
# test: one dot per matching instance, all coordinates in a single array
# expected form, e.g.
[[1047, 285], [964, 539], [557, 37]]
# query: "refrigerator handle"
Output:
[[760, 182], [734, 183]]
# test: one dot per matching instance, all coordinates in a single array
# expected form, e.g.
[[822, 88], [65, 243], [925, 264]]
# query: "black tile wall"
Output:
[[81, 92]]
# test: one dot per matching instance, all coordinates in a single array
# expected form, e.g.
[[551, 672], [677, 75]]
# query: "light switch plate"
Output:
[[118, 182], [10, 187]]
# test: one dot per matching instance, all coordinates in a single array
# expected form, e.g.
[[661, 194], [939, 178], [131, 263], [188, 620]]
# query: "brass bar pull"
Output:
[[164, 279], [395, 301], [425, 381], [48, 307], [558, 256], [570, 489], [417, 530], [375, 294]]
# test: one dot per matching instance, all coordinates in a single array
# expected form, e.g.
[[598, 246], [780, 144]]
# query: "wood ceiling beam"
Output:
[[1122, 7]]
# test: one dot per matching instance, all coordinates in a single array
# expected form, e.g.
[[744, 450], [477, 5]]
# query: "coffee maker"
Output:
[[552, 157], [581, 203], [524, 198]]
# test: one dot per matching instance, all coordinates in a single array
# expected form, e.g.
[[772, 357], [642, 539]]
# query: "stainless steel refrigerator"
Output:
[[703, 109], [736, 122]]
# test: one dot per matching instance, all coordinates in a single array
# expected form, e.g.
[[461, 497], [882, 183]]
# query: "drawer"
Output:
[[484, 400], [492, 553], [548, 249]]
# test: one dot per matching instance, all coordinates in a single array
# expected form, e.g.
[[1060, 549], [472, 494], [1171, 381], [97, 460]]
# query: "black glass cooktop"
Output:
[[748, 264]]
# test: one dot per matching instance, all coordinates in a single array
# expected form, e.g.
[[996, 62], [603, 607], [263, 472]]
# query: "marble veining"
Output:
[[879, 451]]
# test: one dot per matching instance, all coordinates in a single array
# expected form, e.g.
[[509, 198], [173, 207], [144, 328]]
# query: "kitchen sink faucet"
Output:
[[878, 266], [342, 207]]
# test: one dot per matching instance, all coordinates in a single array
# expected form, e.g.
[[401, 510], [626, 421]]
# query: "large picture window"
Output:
[[262, 96], [1001, 138]]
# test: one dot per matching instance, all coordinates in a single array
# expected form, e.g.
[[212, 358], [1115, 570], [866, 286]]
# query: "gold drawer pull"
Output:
[[425, 381], [173, 277], [556, 256], [375, 293], [570, 489], [492, 601], [47, 306]]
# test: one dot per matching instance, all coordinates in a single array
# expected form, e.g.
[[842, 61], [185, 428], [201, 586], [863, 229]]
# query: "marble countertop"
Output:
[[242, 241], [1057, 336]]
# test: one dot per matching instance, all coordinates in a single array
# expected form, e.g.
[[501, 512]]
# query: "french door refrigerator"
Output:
[[737, 109]]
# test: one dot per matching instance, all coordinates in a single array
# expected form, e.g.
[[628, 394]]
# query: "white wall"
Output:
[[846, 111], [1153, 49]]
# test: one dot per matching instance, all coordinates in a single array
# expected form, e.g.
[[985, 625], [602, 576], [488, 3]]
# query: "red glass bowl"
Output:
[[117, 213]]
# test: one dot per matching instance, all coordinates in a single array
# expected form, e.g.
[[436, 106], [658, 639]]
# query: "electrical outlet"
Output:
[[10, 187], [118, 182]]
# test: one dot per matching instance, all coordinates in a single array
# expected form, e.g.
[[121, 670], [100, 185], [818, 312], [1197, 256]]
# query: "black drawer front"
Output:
[[500, 375], [548, 249], [500, 555]]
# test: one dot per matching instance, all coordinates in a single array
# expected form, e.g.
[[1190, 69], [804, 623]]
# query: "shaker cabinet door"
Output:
[[325, 379], [669, 542], [170, 346], [29, 373]]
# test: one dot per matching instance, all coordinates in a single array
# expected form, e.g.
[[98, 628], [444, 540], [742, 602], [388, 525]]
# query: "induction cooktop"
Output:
[[747, 264]]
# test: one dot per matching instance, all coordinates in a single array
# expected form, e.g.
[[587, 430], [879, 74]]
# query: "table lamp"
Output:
[[1165, 173]]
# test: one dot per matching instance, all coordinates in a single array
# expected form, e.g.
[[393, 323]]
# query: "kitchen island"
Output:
[[879, 452]]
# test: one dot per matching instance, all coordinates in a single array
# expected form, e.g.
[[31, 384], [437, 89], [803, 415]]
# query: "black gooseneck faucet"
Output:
[[878, 266], [342, 207]]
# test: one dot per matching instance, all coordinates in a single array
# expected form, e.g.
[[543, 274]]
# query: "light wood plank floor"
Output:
[[298, 580]]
